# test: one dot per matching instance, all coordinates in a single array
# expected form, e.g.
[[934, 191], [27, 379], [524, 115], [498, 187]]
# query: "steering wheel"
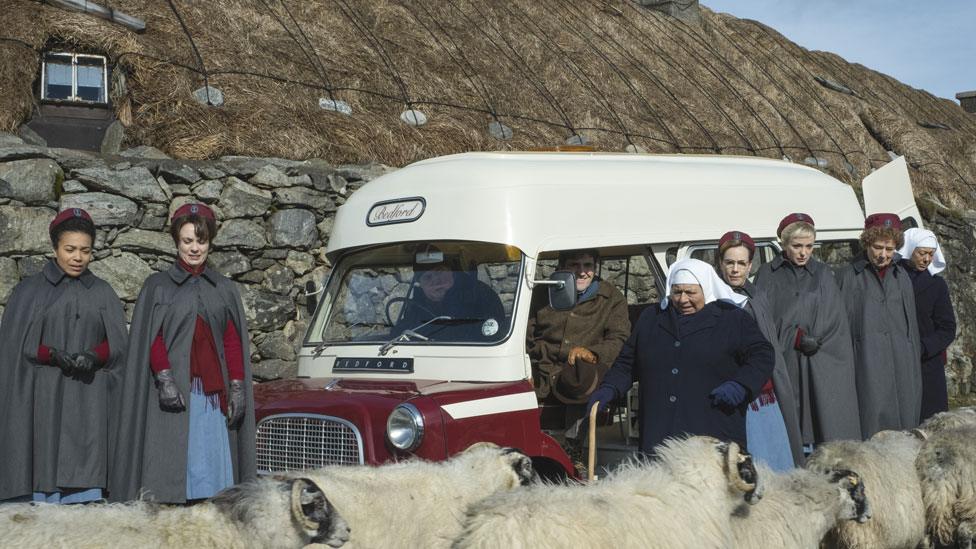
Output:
[[389, 305]]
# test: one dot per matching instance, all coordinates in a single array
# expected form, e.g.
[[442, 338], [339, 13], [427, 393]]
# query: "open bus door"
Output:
[[889, 190]]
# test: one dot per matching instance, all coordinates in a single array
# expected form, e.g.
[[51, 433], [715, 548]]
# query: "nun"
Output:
[[922, 258], [187, 427], [772, 424], [700, 359], [880, 302], [62, 349], [813, 333]]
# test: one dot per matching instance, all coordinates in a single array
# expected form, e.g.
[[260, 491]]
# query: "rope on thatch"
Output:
[[196, 52]]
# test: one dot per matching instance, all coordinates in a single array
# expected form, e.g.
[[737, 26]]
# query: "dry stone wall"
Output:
[[275, 216]]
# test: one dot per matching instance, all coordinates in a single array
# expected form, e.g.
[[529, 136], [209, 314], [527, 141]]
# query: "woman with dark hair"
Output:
[[187, 427], [880, 304], [923, 260], [772, 423], [62, 346], [814, 335]]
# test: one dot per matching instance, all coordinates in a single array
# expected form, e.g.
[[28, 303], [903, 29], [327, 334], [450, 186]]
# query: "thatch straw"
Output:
[[608, 70]]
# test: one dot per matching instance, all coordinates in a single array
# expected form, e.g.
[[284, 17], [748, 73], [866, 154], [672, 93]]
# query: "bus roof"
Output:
[[544, 201]]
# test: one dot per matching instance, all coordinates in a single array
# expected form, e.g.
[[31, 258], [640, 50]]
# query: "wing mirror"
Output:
[[562, 290]]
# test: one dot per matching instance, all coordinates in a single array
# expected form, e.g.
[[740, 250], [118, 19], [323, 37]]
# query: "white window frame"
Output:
[[74, 76]]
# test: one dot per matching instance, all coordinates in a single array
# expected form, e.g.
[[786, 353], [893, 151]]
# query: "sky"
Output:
[[927, 44]]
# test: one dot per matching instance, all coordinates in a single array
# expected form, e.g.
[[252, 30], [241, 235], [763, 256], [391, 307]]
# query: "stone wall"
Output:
[[275, 216]]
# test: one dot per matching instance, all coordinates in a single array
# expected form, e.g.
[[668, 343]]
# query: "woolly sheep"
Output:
[[419, 503], [798, 508], [266, 513], [946, 467], [886, 465], [948, 420], [683, 498]]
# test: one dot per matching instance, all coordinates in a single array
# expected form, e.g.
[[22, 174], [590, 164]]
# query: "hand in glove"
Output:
[[63, 360], [85, 363], [806, 343], [581, 353], [235, 402], [170, 398], [604, 395], [729, 394]]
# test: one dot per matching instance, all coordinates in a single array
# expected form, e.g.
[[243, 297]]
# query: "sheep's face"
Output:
[[522, 466], [741, 471], [513, 460], [292, 512], [850, 489]]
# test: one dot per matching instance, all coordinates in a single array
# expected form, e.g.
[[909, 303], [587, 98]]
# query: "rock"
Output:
[[32, 181], [265, 310], [209, 95], [274, 369], [303, 180], [30, 136], [305, 198], [270, 177], [240, 199], [105, 209], [6, 190], [138, 240], [275, 253], [125, 272], [24, 229], [122, 166], [209, 172], [279, 279], [299, 262], [252, 277], [179, 189], [229, 264], [293, 228], [144, 151], [137, 183], [276, 345], [73, 186], [112, 140], [262, 263], [9, 277], [325, 228], [337, 183], [242, 233], [178, 173], [21, 152], [31, 265], [164, 186], [10, 140], [208, 191], [367, 172]]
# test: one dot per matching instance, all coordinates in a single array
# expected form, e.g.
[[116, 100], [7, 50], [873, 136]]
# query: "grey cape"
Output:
[[824, 390], [55, 429], [152, 444], [758, 307], [887, 351]]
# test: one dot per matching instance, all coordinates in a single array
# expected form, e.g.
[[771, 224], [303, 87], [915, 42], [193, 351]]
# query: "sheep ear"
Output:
[[308, 505]]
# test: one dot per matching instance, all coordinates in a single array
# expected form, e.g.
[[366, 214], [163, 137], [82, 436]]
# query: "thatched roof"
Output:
[[608, 70]]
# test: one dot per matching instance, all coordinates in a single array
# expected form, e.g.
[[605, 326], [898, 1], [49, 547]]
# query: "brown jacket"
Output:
[[600, 324]]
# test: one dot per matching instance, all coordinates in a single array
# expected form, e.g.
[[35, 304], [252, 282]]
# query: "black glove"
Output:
[[170, 398], [85, 363], [603, 395], [729, 394], [63, 360], [235, 402], [808, 344]]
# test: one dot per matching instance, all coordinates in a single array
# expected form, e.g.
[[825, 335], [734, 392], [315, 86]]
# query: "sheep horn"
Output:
[[920, 434], [477, 445], [742, 471], [298, 487]]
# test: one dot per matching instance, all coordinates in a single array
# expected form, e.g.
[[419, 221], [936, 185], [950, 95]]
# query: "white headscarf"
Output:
[[695, 271], [922, 238]]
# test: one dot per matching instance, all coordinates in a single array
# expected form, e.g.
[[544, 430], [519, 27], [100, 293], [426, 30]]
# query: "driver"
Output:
[[443, 289]]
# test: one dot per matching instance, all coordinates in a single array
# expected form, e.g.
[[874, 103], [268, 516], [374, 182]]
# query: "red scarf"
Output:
[[766, 397], [204, 360]]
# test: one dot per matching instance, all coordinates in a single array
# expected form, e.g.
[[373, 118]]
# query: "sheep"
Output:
[[418, 503], [886, 465], [946, 467], [683, 498], [948, 420], [266, 513], [799, 507]]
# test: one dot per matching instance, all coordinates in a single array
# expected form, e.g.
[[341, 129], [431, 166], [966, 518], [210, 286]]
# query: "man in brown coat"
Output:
[[572, 350]]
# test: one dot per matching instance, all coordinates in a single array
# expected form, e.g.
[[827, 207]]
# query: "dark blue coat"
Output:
[[937, 328], [679, 360]]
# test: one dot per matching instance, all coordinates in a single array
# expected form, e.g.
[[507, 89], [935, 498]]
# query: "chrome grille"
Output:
[[294, 442]]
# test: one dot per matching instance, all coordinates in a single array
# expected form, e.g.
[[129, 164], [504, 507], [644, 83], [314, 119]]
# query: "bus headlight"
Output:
[[405, 427]]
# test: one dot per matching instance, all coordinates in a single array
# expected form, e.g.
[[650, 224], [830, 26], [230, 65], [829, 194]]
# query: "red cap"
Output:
[[746, 240], [193, 208], [887, 220], [793, 218], [68, 214]]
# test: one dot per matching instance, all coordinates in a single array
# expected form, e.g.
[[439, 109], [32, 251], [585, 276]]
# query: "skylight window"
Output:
[[74, 77]]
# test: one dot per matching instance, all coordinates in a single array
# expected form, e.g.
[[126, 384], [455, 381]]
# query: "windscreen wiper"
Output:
[[411, 334]]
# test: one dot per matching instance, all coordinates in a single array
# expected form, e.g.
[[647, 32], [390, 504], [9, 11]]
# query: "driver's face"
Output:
[[436, 282]]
